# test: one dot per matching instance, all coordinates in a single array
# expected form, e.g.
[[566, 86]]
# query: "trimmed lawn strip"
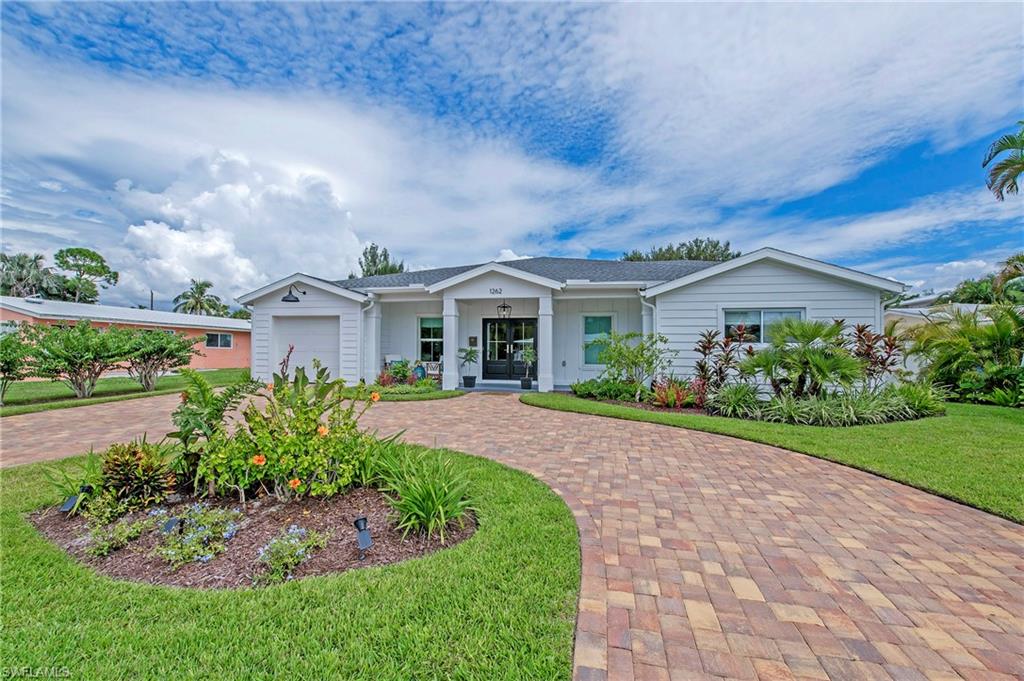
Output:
[[501, 605], [27, 397], [972, 455], [413, 397]]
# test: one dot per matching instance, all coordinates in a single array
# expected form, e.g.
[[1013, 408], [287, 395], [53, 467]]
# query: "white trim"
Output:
[[419, 336], [583, 332], [792, 259], [493, 267], [219, 347], [805, 311], [305, 280]]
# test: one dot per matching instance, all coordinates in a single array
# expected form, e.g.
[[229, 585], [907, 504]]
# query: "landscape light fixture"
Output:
[[363, 536], [170, 525], [291, 297], [71, 503], [504, 310]]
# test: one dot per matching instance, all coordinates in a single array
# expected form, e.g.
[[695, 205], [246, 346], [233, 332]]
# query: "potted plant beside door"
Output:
[[529, 357], [468, 356]]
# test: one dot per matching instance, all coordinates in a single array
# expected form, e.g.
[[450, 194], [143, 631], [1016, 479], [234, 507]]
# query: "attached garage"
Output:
[[312, 338]]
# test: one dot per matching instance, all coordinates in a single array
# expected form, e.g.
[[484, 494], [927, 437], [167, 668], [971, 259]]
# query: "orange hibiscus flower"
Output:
[[322, 430], [375, 397], [294, 483], [259, 459], [184, 397]]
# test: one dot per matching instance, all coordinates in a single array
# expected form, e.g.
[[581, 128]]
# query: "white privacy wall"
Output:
[[684, 313], [568, 332], [316, 303]]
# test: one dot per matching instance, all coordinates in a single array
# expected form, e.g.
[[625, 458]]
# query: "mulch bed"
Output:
[[262, 520], [647, 406]]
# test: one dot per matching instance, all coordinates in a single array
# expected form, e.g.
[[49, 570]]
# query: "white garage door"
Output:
[[313, 338]]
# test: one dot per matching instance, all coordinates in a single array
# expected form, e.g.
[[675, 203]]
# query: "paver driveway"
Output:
[[709, 557]]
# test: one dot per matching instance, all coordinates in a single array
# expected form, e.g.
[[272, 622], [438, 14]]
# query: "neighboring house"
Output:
[[556, 304], [909, 315], [225, 342]]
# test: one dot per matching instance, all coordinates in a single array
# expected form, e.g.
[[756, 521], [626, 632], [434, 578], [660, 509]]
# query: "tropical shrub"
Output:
[[148, 353], [609, 389], [75, 355], [285, 552], [137, 473], [1007, 397], [718, 360], [400, 370], [738, 400], [633, 358], [671, 393], [377, 458], [84, 484], [427, 494], [202, 532], [921, 397], [14, 360], [880, 354], [305, 441]]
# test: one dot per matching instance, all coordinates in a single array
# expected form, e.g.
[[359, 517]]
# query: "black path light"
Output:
[[363, 536], [171, 524], [71, 503], [291, 297]]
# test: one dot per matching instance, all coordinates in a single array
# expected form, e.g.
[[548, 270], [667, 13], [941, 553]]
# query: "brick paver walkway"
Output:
[[709, 557]]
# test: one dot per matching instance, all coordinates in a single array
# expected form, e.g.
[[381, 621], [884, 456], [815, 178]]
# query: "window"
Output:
[[595, 328], [218, 340], [431, 339], [8, 326], [756, 322]]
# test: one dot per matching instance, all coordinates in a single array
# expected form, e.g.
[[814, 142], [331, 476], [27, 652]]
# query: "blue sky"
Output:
[[243, 142]]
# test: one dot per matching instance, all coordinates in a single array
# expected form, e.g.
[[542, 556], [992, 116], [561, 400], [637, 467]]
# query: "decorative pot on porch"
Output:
[[468, 356], [469, 381], [529, 359], [526, 383]]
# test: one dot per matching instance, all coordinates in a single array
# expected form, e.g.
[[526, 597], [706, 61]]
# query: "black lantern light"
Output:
[[363, 536], [291, 297], [504, 310]]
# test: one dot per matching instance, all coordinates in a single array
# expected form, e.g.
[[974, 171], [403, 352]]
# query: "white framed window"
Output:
[[596, 327], [756, 321], [219, 340], [8, 326], [431, 339]]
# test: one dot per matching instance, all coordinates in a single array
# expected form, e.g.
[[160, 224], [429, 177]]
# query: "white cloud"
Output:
[[506, 254]]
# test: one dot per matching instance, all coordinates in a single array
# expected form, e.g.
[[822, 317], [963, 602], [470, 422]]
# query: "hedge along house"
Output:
[[224, 344], [558, 305]]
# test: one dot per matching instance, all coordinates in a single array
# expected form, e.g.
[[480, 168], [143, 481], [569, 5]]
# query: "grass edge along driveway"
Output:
[[501, 605], [972, 455]]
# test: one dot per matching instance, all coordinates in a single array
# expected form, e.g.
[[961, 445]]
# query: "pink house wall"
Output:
[[235, 357]]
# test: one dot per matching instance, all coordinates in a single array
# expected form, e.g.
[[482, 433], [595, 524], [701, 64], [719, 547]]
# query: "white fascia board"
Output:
[[305, 280], [493, 267], [786, 258]]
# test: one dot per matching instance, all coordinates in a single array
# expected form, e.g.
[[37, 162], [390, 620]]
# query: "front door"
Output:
[[504, 340]]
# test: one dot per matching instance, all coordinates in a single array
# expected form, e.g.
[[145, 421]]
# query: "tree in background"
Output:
[[75, 355], [198, 300], [376, 260], [241, 313], [148, 353], [986, 291], [1010, 275], [89, 270], [694, 249], [24, 275], [1002, 176], [14, 364]]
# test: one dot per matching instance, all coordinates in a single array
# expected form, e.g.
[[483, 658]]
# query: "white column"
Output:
[[450, 335], [545, 345], [371, 343]]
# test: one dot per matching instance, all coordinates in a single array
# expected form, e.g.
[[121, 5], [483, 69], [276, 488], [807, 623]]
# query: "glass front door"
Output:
[[504, 340]]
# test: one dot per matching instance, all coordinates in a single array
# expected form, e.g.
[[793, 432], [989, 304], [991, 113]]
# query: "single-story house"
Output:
[[225, 344], [558, 305]]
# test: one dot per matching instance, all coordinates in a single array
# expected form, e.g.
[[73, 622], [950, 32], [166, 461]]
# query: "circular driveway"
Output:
[[706, 556]]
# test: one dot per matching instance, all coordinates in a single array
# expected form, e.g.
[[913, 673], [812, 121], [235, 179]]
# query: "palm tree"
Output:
[[1002, 177], [26, 275], [196, 300], [1013, 268]]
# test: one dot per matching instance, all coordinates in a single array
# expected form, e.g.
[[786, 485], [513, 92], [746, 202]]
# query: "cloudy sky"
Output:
[[242, 142]]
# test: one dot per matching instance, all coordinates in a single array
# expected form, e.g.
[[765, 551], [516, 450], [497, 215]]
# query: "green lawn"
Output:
[[974, 454], [501, 605], [26, 397], [412, 397]]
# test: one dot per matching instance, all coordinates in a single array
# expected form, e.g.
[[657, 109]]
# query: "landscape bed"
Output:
[[260, 521]]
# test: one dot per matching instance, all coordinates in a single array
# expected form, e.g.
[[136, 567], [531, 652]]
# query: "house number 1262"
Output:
[[495, 291]]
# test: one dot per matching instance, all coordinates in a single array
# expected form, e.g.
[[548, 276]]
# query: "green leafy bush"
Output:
[[921, 397], [287, 551], [203, 533], [148, 353], [104, 540], [671, 393], [75, 355], [377, 457], [737, 400], [633, 359], [103, 508], [14, 360], [426, 492], [609, 389], [137, 473], [84, 483], [305, 441]]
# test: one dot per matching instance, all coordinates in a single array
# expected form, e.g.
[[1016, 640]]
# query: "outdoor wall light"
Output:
[[504, 310], [363, 536], [291, 297]]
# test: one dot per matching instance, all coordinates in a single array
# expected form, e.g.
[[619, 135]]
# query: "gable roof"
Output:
[[494, 267], [786, 258], [305, 280], [560, 270], [39, 308]]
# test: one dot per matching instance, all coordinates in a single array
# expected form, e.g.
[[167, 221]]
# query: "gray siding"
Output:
[[314, 303], [684, 313]]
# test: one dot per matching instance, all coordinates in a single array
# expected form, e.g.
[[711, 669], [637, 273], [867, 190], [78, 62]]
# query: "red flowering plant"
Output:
[[672, 393], [303, 441]]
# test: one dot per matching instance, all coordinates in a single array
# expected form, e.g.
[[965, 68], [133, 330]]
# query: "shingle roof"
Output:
[[559, 269], [58, 309]]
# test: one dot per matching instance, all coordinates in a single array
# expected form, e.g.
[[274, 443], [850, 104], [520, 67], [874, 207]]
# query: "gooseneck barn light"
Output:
[[290, 297]]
